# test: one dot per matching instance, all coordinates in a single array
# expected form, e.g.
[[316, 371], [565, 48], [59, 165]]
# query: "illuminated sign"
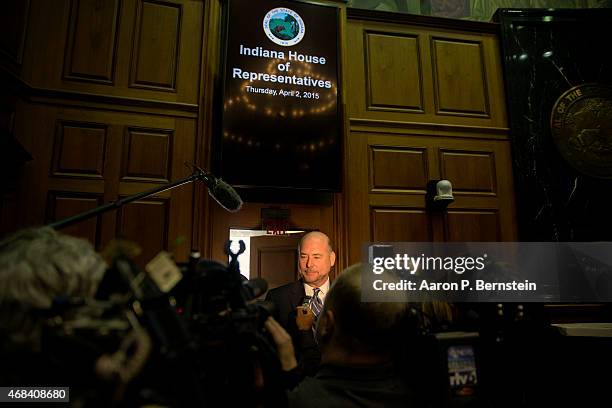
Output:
[[280, 125]]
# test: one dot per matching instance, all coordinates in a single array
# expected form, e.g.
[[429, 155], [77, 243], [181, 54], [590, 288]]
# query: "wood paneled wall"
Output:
[[115, 95], [109, 105], [141, 49], [425, 102], [411, 73]]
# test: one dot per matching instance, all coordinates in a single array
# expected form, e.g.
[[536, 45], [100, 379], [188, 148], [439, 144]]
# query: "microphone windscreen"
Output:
[[226, 196]]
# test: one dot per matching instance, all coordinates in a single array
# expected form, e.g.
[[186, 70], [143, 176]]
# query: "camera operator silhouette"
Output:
[[358, 343], [50, 323]]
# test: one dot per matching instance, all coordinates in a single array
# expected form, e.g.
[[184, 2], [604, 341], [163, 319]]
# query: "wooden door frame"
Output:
[[303, 217]]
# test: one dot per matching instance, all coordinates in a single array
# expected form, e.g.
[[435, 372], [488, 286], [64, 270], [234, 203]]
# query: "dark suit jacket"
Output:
[[286, 299]]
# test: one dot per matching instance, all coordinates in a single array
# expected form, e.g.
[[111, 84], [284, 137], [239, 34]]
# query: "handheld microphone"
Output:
[[223, 193], [306, 301]]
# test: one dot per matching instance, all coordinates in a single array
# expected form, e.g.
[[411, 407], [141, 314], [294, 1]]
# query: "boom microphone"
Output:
[[222, 192], [218, 189]]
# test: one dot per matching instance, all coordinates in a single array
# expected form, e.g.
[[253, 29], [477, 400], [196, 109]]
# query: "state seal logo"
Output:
[[581, 127], [284, 26]]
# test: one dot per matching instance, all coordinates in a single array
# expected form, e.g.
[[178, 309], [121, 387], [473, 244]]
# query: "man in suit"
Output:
[[316, 259]]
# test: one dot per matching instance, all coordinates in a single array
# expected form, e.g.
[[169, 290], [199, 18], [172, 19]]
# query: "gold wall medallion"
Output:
[[581, 126]]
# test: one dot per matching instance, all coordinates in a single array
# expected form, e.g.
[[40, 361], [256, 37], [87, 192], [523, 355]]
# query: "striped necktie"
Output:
[[316, 305]]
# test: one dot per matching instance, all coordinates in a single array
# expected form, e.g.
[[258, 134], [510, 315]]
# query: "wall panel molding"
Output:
[[472, 225], [393, 72], [155, 52], [63, 204], [79, 149], [471, 171], [460, 80], [92, 42], [413, 73], [396, 208], [423, 21], [100, 101], [135, 49], [147, 154], [429, 129], [135, 222], [398, 169], [400, 224]]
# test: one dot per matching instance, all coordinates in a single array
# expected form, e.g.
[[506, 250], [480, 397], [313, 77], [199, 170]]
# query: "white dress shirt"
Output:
[[322, 293]]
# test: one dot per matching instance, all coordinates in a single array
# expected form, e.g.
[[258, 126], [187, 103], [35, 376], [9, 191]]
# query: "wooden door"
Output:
[[275, 258]]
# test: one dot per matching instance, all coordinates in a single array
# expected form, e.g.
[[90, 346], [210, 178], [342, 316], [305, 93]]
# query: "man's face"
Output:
[[316, 260]]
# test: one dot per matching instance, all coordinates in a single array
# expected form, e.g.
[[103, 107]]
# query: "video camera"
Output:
[[207, 342]]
